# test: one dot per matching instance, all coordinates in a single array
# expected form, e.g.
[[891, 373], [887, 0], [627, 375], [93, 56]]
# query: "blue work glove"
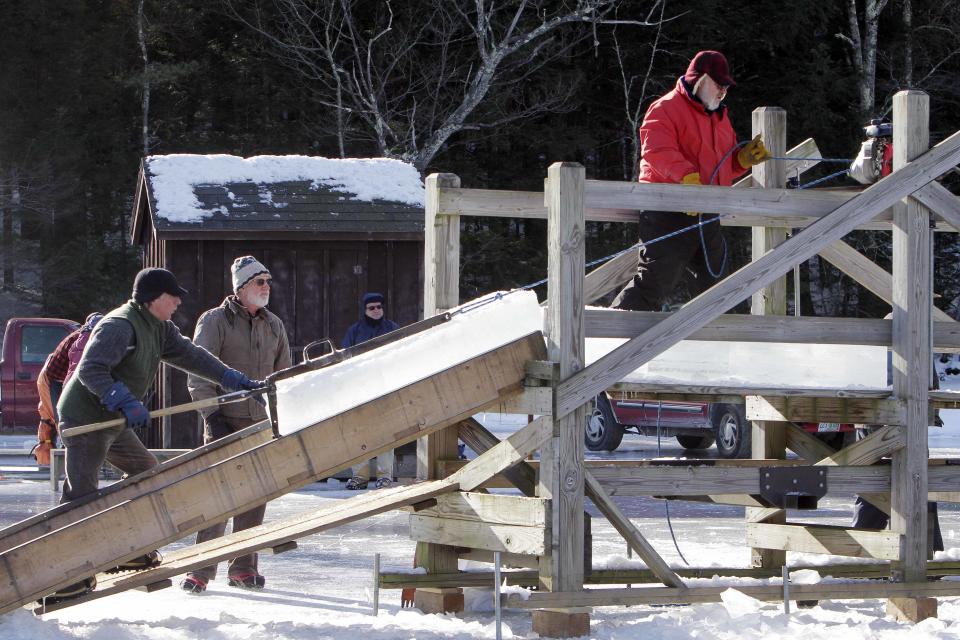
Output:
[[119, 398], [233, 380]]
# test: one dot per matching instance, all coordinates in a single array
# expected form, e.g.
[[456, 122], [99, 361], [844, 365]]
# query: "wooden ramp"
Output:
[[160, 476], [157, 517], [280, 535]]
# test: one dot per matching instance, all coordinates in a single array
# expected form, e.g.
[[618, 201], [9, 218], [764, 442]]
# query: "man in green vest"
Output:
[[114, 377]]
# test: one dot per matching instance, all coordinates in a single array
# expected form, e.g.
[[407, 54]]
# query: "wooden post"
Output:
[[769, 439], [441, 291], [561, 458], [912, 301]]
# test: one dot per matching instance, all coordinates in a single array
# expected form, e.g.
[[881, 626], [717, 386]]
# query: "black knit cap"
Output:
[[151, 283]]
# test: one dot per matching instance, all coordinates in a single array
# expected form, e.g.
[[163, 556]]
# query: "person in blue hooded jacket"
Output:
[[371, 324]]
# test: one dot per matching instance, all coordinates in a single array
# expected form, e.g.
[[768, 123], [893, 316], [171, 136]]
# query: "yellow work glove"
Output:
[[753, 153], [691, 178]]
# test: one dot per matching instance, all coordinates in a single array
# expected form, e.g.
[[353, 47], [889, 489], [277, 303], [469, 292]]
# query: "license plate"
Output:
[[828, 427]]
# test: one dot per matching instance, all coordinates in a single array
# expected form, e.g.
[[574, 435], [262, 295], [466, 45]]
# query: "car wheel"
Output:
[[732, 432], [696, 442], [602, 431]]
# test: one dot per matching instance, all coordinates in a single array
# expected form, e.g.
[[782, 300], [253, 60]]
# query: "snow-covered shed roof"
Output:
[[209, 193]]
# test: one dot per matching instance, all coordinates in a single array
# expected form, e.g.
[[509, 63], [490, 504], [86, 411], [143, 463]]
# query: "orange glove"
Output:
[[753, 153], [691, 178]]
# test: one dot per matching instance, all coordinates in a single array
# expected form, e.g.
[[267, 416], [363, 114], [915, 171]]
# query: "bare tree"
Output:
[[145, 85], [634, 103], [863, 48], [406, 76]]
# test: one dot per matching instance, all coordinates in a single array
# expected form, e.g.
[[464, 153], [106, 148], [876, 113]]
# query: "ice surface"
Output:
[[474, 329], [369, 179], [754, 364]]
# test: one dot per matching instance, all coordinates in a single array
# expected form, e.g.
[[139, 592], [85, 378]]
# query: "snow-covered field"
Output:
[[323, 589]]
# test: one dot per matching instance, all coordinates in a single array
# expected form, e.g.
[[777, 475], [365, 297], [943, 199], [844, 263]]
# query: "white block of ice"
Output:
[[317, 395], [756, 364]]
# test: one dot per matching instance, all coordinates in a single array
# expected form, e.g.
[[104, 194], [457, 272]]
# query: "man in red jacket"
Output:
[[686, 138]]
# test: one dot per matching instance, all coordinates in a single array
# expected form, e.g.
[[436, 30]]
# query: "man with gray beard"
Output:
[[243, 333]]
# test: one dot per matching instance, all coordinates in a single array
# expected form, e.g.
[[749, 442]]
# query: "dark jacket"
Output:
[[367, 328], [127, 346], [679, 137]]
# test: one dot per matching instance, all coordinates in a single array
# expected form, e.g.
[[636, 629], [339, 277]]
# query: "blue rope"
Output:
[[839, 160], [666, 503], [824, 179]]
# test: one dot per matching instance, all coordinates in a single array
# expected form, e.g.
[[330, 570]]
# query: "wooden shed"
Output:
[[328, 230]]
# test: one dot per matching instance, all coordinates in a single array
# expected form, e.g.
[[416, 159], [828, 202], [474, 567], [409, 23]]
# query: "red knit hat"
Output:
[[712, 63]]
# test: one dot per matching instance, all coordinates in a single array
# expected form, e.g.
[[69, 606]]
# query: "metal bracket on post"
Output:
[[793, 487]]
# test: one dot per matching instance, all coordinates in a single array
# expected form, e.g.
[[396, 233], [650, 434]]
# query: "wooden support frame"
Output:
[[577, 389]]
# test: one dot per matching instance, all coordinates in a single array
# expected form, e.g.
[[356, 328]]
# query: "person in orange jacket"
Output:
[[686, 138], [57, 369]]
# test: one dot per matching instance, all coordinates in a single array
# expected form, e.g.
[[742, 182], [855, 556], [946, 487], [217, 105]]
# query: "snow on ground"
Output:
[[323, 589]]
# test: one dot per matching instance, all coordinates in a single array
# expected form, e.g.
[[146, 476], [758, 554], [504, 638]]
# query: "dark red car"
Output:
[[694, 425], [26, 344]]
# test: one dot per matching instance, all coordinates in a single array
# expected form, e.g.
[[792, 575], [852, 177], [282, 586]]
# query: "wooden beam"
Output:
[[478, 438], [575, 390], [165, 474], [938, 198], [837, 541], [630, 533], [806, 445], [441, 291], [912, 303], [696, 595], [454, 532], [610, 275], [561, 458], [768, 438], [506, 454], [490, 508], [733, 327], [536, 401], [867, 273], [841, 410], [147, 521]]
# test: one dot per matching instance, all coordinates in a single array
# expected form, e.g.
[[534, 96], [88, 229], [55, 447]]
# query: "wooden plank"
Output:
[[577, 389], [233, 486], [455, 532], [938, 198], [522, 475], [912, 303], [441, 291], [619, 323], [806, 445], [696, 595], [490, 508], [841, 410], [508, 453], [837, 541], [880, 443], [630, 533], [536, 401], [866, 272], [611, 275], [768, 438], [275, 534], [561, 457], [166, 473]]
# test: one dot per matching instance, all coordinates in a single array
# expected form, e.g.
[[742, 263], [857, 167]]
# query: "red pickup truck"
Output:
[[694, 425], [26, 344]]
